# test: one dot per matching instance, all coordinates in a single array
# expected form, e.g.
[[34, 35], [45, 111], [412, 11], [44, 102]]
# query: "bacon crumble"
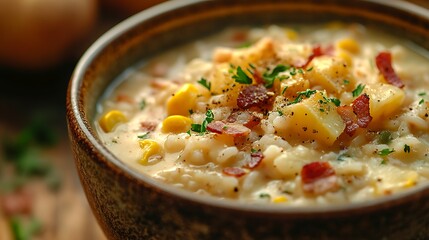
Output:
[[384, 65], [252, 96], [234, 171], [318, 178]]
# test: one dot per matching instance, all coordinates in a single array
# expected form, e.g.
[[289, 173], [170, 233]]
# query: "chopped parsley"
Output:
[[241, 77], [202, 128], [284, 90], [270, 77], [142, 104], [422, 94], [384, 137], [143, 136], [342, 157], [300, 71], [205, 83], [358, 90], [407, 148], [245, 45], [335, 101], [280, 112], [307, 93], [421, 101], [385, 152], [345, 81], [264, 195], [311, 68]]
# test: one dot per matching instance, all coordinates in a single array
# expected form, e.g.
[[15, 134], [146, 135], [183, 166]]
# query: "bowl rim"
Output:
[[79, 119]]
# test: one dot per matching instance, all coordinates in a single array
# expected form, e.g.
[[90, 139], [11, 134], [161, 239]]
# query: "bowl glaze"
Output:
[[129, 205]]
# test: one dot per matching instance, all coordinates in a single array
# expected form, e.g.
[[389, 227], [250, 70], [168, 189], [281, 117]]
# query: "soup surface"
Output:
[[303, 115]]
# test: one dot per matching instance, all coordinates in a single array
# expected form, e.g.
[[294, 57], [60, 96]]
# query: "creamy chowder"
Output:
[[309, 115]]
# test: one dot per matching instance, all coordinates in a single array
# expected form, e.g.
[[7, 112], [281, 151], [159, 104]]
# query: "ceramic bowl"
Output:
[[129, 205]]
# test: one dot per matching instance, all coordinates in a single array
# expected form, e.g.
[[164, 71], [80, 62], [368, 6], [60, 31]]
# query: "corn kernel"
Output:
[[152, 152], [346, 57], [183, 100], [291, 34], [109, 120], [280, 199], [349, 44], [176, 124]]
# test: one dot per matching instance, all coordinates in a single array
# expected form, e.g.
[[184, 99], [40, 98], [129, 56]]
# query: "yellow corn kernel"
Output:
[[152, 152], [176, 124], [346, 57], [291, 34], [280, 199], [349, 44], [109, 120], [182, 101]]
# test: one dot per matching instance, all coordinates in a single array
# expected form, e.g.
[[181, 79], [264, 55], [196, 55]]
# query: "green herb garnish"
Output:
[[422, 94], [307, 93], [241, 77], [142, 104], [143, 136], [311, 68], [421, 101], [342, 157], [358, 90], [384, 137], [205, 83], [284, 90], [407, 148], [269, 78], [202, 128], [345, 81], [385, 152], [264, 195], [336, 101]]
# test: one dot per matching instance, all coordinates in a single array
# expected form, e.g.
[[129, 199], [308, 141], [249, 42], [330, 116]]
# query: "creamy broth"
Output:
[[300, 116]]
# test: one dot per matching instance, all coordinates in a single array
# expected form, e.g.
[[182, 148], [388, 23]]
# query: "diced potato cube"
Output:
[[263, 49], [182, 101], [330, 73], [349, 44], [290, 87], [384, 100], [109, 120], [314, 118], [152, 152], [176, 124]]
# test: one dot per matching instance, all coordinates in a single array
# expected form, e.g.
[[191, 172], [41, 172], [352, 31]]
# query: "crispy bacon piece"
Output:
[[252, 96], [255, 159], [384, 64], [318, 178], [248, 119], [148, 126], [357, 115], [234, 171], [349, 118], [317, 51], [361, 109], [232, 129]]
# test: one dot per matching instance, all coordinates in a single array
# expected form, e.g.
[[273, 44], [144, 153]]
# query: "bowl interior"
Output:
[[177, 22]]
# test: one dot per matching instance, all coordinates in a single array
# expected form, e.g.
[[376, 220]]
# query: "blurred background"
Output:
[[40, 44]]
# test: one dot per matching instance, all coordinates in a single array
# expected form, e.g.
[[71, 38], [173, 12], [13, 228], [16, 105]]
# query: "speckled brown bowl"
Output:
[[129, 205]]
